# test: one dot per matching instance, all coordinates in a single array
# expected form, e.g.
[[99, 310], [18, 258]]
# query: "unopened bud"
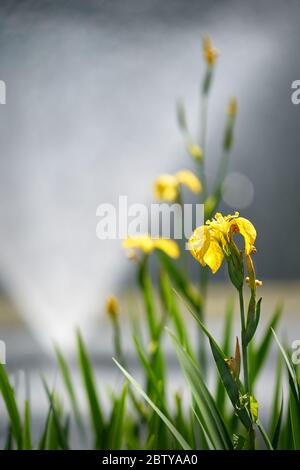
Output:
[[195, 152], [232, 107], [112, 307]]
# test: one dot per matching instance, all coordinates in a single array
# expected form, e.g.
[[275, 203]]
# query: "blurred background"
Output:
[[90, 115]]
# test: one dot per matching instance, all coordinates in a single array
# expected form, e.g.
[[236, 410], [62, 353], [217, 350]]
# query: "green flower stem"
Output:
[[244, 347], [117, 341], [245, 363], [184, 253], [201, 313]]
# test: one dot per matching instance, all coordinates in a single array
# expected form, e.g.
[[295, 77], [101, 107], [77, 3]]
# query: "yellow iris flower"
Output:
[[211, 242], [146, 244], [209, 52], [167, 187]]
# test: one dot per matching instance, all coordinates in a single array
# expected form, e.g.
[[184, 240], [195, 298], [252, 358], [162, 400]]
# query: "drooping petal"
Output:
[[199, 242], [166, 188], [169, 247], [140, 242], [190, 180], [214, 255], [247, 230]]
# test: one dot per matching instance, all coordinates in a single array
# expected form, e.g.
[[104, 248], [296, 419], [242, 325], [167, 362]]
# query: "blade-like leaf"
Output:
[[181, 283], [116, 432], [91, 392], [294, 410], [162, 416], [11, 407], [66, 376], [230, 384], [260, 352], [171, 306], [264, 436], [227, 335], [292, 375], [27, 441], [276, 434], [210, 418], [61, 437]]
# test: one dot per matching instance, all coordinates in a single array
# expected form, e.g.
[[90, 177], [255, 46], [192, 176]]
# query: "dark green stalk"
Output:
[[245, 364]]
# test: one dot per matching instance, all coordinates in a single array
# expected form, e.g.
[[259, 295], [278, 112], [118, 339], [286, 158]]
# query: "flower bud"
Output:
[[112, 307], [195, 152]]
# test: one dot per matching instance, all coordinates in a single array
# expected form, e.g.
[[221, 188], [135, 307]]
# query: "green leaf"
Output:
[[148, 295], [162, 416], [264, 436], [210, 418], [252, 323], [116, 431], [294, 410], [27, 441], [230, 384], [206, 444], [11, 407], [260, 353], [67, 380], [276, 434], [60, 434], [181, 117], [180, 281], [169, 303], [43, 440], [150, 373], [292, 375], [277, 399], [91, 392], [227, 335]]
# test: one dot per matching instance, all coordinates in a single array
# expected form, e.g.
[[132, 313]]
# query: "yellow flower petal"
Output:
[[166, 188], [247, 230], [190, 180], [214, 256], [140, 242], [146, 244], [199, 242], [167, 246]]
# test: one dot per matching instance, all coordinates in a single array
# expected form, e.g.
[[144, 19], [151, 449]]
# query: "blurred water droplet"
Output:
[[238, 190]]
